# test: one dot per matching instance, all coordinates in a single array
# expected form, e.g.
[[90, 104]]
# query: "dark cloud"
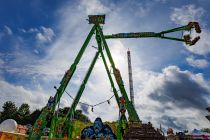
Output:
[[180, 88], [84, 108], [172, 122]]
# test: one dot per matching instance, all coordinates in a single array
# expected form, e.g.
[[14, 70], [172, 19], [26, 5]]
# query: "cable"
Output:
[[94, 104], [70, 95], [108, 101]]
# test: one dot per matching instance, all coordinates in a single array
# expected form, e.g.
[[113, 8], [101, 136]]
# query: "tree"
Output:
[[22, 114], [9, 111], [34, 116], [80, 116], [24, 109], [206, 130]]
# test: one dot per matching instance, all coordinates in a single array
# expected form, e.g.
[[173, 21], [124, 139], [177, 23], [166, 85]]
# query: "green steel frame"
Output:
[[41, 122]]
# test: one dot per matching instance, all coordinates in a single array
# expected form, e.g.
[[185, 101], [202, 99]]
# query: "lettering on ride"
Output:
[[133, 35]]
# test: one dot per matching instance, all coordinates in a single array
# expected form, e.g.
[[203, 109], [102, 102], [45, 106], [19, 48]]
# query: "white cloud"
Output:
[[32, 30], [73, 31], [42, 34], [93, 7], [45, 35], [199, 63], [172, 94], [36, 98], [7, 30], [202, 47], [19, 95], [186, 13], [36, 51]]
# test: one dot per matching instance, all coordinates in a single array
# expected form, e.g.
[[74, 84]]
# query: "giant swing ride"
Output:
[[66, 126]]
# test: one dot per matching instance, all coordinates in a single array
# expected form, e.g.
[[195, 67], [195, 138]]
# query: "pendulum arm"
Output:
[[98, 39], [186, 38], [41, 122], [133, 116], [68, 121]]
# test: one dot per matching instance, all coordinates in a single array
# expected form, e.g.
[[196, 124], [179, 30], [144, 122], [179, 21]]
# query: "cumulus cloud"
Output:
[[163, 107], [185, 88], [42, 34], [36, 98], [32, 30], [84, 108], [45, 35], [186, 13], [202, 47], [19, 95], [199, 63], [173, 122], [93, 7], [170, 96], [182, 16]]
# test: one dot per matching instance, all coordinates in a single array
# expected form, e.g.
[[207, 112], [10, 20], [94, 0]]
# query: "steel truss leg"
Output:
[[133, 116], [98, 39], [68, 121]]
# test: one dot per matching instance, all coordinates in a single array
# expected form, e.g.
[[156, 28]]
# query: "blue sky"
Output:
[[40, 39]]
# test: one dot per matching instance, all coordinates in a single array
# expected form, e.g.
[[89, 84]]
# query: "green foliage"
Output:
[[23, 116], [34, 116], [81, 117], [206, 130], [23, 113], [78, 127], [9, 111], [24, 110], [78, 115]]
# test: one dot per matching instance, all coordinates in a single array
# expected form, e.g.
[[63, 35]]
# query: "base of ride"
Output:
[[145, 132], [127, 128]]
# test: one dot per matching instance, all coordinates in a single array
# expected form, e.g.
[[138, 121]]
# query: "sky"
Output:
[[40, 39]]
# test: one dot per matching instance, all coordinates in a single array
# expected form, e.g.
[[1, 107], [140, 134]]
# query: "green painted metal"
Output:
[[36, 131], [172, 38], [98, 39], [133, 116], [150, 34], [67, 122], [182, 28], [78, 95], [119, 127]]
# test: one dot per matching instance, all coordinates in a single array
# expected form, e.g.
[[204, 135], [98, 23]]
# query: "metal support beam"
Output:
[[98, 39], [79, 94], [188, 40], [41, 122], [133, 116]]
